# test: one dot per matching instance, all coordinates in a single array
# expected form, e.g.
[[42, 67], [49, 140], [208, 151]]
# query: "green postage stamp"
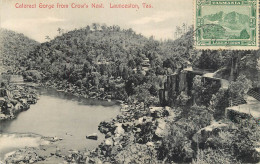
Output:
[[226, 24]]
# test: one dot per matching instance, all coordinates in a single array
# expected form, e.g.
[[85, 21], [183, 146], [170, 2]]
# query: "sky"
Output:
[[159, 21]]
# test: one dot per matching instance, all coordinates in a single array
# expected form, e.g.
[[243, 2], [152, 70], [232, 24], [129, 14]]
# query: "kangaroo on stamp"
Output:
[[226, 24]]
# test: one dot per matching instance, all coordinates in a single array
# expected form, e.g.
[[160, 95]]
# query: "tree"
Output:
[[104, 27], [197, 88], [237, 141], [200, 116], [184, 27], [138, 61], [182, 99], [86, 67], [103, 82], [258, 64], [131, 63], [79, 83], [142, 93], [210, 60], [95, 26], [169, 63], [175, 145], [244, 34], [96, 79], [218, 103], [153, 90], [47, 38], [208, 156], [249, 61], [159, 70], [60, 30], [240, 87], [137, 153], [178, 31]]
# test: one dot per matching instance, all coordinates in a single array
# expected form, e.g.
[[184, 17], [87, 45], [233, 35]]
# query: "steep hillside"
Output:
[[101, 57], [236, 18], [106, 50], [100, 52], [14, 46]]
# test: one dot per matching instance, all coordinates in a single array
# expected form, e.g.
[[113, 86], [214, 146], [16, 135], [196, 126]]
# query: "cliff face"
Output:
[[181, 83]]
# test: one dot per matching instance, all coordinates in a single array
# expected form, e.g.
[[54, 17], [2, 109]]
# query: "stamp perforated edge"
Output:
[[225, 47]]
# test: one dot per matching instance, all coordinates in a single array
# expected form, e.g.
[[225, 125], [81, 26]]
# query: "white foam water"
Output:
[[14, 141]]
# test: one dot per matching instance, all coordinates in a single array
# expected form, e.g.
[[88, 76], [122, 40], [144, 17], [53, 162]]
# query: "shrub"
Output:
[[240, 87], [176, 146], [239, 142], [218, 103], [137, 153], [182, 99], [210, 156]]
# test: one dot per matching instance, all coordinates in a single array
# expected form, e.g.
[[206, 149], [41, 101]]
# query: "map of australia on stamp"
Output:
[[226, 24]]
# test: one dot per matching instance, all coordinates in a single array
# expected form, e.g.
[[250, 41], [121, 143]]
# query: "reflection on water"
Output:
[[62, 115], [79, 100]]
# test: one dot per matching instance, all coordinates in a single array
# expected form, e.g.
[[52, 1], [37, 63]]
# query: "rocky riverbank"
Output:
[[44, 149], [136, 130], [15, 99], [92, 92], [132, 136]]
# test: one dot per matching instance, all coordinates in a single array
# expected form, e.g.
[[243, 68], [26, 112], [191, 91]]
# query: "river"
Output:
[[61, 115]]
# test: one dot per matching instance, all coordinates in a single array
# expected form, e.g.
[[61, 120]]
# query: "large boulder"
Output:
[[158, 112], [119, 129], [109, 142], [106, 127], [161, 128], [18, 107], [93, 136], [143, 120]]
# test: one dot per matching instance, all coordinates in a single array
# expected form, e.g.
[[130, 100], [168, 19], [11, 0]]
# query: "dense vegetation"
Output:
[[132, 67], [104, 57], [14, 46]]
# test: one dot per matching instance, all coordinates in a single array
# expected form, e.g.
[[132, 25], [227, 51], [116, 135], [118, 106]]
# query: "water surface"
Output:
[[61, 115]]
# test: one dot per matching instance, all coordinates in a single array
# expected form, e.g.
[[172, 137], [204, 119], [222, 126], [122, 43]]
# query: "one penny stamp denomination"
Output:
[[226, 24]]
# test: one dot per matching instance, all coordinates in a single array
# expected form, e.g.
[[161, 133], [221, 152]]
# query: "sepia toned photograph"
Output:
[[129, 82]]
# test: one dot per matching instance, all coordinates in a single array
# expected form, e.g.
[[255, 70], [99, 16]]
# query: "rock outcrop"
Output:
[[14, 99], [93, 136]]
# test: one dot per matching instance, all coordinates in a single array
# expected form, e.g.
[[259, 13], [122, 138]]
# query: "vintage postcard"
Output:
[[129, 82], [226, 24]]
